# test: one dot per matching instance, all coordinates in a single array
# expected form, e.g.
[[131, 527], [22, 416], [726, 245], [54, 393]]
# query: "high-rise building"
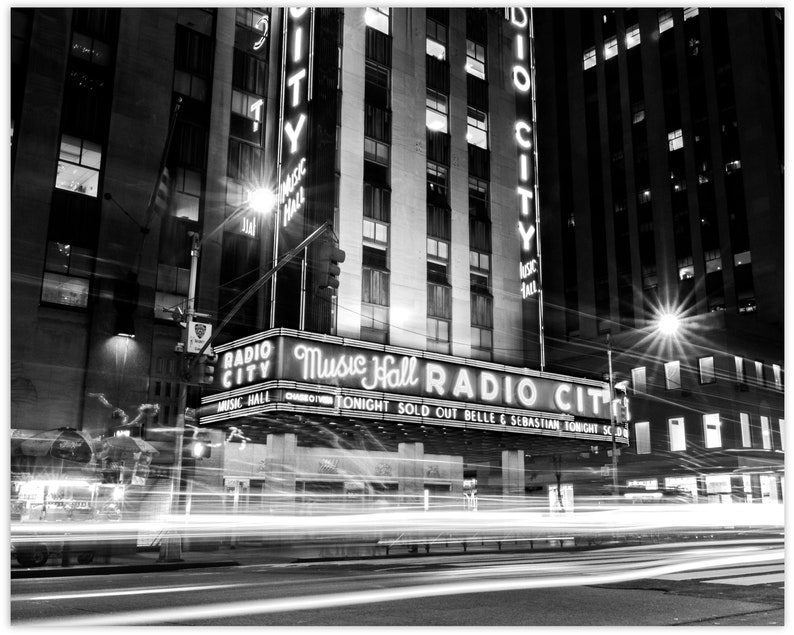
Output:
[[661, 170], [140, 138]]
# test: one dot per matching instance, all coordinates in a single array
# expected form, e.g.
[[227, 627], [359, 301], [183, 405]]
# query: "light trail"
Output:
[[197, 613], [85, 595]]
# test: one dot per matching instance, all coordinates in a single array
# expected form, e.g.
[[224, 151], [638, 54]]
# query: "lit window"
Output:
[[686, 268], [766, 433], [376, 151], [733, 166], [638, 379], [436, 44], [690, 12], [378, 18], [644, 196], [672, 375], [589, 58], [675, 140], [477, 128], [638, 112], [665, 20], [610, 48], [78, 166], [744, 421], [711, 431], [743, 258], [66, 275], [759, 373], [375, 231], [437, 249], [248, 106], [90, 50], [677, 432], [707, 374], [475, 59], [436, 111], [632, 36], [713, 260], [777, 373], [642, 437], [739, 366]]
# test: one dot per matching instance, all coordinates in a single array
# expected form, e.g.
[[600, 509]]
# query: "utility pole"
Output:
[[612, 421]]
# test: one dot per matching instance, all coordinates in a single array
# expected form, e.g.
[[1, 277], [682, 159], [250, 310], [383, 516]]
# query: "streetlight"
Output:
[[668, 324]]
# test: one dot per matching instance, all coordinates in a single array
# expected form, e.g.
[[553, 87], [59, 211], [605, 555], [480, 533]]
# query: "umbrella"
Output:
[[129, 444], [62, 443]]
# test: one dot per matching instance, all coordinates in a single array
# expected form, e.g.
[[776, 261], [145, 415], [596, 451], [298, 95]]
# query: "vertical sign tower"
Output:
[[523, 78]]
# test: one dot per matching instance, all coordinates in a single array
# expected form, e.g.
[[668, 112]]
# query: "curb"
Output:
[[117, 568]]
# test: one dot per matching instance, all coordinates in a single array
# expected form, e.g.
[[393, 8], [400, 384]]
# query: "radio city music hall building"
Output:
[[412, 132]]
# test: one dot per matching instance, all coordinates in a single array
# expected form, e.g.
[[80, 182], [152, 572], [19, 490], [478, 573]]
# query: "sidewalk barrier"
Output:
[[170, 548]]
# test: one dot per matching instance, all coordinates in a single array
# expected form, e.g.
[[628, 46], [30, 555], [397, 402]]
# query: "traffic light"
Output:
[[328, 261], [623, 414], [201, 446], [208, 374]]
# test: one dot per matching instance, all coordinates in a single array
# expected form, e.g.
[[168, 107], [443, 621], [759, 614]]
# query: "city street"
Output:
[[727, 583]]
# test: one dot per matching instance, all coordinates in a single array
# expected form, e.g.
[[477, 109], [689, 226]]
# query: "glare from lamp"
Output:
[[668, 324], [262, 200]]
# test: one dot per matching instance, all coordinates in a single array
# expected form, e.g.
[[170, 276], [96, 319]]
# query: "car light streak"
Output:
[[85, 595], [193, 614]]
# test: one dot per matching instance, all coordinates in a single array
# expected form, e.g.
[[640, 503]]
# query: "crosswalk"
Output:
[[739, 576]]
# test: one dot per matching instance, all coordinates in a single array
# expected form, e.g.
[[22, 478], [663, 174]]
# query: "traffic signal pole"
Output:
[[169, 550]]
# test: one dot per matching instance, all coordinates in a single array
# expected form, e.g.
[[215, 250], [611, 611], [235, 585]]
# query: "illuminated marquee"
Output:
[[529, 266], [279, 371], [294, 113]]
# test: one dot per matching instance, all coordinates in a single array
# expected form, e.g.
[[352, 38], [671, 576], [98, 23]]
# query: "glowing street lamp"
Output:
[[668, 324]]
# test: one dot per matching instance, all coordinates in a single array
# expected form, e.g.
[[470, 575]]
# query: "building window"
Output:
[[436, 40], [376, 151], [481, 321], [672, 375], [376, 232], [378, 18], [610, 48], [686, 268], [713, 260], [248, 106], [89, 49], [665, 20], [690, 12], [437, 184], [675, 140], [766, 433], [477, 128], [638, 112], [478, 198], [632, 36], [642, 437], [777, 374], [377, 85], [644, 196], [475, 59], [707, 374], [246, 162], [744, 423], [711, 431], [638, 379], [377, 203], [437, 249], [739, 366], [677, 434], [436, 111], [480, 270], [589, 58], [439, 301], [78, 166], [186, 194], [759, 373], [67, 272]]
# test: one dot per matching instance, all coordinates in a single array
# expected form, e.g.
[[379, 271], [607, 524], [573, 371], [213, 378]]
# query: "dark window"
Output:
[[246, 162], [377, 203], [249, 73], [378, 47], [439, 301]]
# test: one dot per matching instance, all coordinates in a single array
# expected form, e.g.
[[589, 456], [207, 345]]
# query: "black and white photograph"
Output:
[[410, 316]]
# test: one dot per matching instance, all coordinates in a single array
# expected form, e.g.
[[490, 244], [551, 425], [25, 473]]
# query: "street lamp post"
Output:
[[612, 422]]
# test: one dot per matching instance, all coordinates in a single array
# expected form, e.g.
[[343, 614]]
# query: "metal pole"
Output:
[[612, 418]]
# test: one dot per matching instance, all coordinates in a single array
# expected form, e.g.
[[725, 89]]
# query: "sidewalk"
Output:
[[249, 553]]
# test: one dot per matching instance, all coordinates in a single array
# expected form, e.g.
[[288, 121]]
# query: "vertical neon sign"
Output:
[[294, 114], [526, 190]]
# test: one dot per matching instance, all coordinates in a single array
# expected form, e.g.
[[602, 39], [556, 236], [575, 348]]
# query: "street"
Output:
[[727, 583]]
